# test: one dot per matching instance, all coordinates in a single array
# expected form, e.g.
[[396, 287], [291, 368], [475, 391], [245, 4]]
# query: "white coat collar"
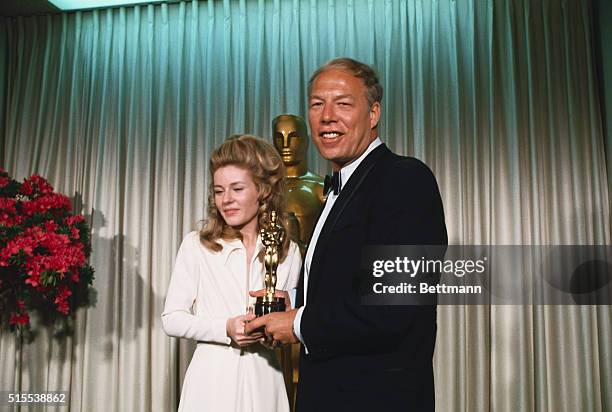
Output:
[[230, 246]]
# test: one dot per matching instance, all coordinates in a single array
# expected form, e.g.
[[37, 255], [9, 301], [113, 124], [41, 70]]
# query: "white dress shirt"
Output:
[[345, 174]]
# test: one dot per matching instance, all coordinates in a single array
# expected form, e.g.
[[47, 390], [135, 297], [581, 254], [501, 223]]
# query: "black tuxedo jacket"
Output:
[[364, 358]]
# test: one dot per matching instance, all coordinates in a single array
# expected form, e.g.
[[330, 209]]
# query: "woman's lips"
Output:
[[230, 212]]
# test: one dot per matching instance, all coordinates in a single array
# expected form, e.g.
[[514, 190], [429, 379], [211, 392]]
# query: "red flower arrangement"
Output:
[[43, 254]]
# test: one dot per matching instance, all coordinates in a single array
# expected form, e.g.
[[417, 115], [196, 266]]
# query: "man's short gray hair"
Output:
[[374, 90]]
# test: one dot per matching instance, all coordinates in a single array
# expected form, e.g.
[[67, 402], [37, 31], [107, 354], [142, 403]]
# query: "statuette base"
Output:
[[264, 308]]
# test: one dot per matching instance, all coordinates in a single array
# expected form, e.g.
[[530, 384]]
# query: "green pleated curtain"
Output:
[[120, 109]]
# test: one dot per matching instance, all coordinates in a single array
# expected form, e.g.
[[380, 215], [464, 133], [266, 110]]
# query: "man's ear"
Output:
[[374, 114]]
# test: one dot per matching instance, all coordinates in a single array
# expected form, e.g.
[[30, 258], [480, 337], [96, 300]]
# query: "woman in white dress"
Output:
[[208, 297]]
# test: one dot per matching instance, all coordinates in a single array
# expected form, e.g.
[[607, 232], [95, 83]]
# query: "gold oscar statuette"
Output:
[[272, 236], [304, 188], [304, 203]]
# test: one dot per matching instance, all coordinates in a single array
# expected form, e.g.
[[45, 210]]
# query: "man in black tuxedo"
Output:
[[357, 357]]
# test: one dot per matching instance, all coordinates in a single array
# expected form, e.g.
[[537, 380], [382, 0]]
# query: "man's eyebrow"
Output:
[[341, 96], [344, 96]]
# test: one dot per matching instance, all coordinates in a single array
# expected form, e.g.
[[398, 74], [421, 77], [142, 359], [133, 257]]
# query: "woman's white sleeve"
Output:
[[177, 318]]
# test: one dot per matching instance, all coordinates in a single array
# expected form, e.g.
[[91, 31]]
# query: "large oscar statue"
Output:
[[272, 236], [304, 203], [304, 188]]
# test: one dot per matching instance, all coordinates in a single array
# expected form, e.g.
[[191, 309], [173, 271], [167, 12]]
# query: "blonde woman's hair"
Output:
[[268, 172]]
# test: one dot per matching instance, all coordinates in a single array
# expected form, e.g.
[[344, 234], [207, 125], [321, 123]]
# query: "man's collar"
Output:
[[347, 171]]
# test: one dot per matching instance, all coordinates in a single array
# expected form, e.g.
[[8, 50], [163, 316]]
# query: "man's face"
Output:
[[340, 120], [290, 139]]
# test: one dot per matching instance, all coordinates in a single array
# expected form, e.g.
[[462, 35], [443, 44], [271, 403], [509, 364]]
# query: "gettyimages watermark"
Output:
[[486, 275]]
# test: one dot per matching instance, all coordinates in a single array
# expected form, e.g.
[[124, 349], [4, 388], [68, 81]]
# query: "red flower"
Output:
[[71, 220], [33, 280], [45, 203], [43, 248], [19, 318], [8, 204], [50, 226], [63, 292], [8, 220], [63, 307], [61, 299], [33, 270], [34, 185], [8, 212], [13, 247]]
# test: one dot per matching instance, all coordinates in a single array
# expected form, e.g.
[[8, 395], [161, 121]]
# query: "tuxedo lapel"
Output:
[[344, 198]]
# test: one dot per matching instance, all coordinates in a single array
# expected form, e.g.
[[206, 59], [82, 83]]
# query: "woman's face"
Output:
[[236, 197]]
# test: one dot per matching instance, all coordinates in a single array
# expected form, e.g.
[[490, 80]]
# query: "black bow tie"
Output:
[[332, 182]]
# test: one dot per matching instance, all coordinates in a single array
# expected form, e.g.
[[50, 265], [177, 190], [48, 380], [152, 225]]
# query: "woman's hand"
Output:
[[235, 330]]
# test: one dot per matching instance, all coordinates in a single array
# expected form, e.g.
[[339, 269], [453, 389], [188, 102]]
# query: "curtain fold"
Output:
[[120, 109]]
